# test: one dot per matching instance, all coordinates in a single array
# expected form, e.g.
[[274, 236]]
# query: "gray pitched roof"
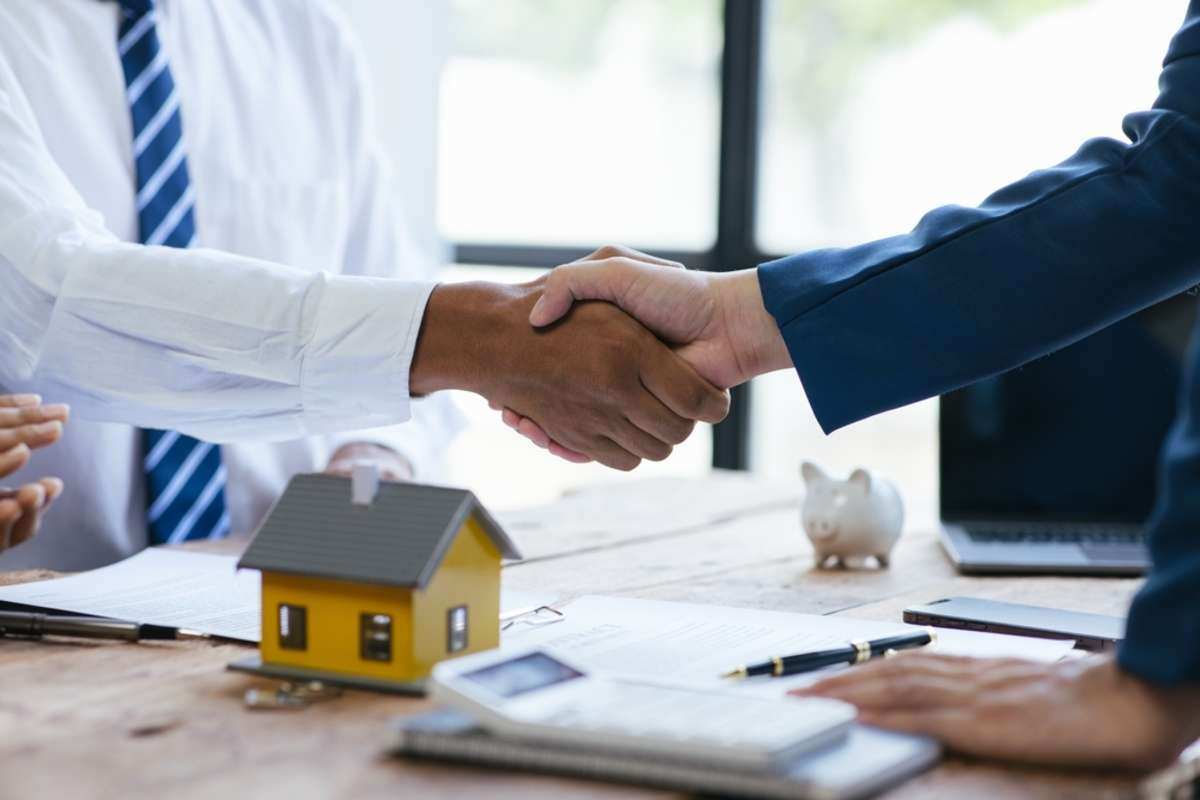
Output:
[[398, 540]]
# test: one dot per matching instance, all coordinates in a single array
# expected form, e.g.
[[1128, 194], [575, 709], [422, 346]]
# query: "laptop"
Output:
[[1053, 467]]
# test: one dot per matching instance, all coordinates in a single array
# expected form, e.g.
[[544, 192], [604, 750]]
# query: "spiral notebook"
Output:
[[865, 762]]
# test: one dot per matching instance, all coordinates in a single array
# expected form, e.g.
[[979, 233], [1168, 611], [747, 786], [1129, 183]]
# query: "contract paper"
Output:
[[692, 644], [183, 589]]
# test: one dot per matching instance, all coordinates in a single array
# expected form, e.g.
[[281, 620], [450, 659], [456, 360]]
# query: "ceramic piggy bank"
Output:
[[849, 521]]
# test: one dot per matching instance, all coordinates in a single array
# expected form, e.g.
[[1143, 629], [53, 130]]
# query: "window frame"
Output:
[[370, 625], [288, 616], [455, 643], [737, 190]]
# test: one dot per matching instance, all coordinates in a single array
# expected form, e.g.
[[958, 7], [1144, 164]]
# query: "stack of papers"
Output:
[[624, 512], [183, 589], [692, 644]]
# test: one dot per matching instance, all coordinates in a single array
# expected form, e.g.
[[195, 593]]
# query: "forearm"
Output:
[[459, 345], [204, 342]]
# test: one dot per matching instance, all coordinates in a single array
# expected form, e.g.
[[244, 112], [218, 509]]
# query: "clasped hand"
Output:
[[715, 322], [598, 382], [25, 425]]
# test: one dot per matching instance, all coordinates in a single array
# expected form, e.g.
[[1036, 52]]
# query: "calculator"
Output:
[[539, 696]]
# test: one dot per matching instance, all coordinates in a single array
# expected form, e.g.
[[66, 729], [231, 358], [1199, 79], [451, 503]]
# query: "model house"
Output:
[[371, 583]]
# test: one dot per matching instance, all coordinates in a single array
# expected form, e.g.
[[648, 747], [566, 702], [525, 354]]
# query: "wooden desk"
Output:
[[85, 719]]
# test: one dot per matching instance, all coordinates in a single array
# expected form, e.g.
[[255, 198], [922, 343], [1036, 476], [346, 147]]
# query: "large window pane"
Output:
[[572, 122], [877, 111]]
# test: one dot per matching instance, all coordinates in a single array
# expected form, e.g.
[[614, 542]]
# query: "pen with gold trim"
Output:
[[27, 625], [852, 653]]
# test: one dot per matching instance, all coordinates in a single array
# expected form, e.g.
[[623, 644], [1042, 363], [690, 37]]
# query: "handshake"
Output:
[[612, 358]]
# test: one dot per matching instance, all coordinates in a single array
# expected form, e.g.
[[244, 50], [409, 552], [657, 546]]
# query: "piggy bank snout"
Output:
[[821, 527]]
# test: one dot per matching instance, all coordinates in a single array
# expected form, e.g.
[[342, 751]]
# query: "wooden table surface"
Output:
[[85, 719]]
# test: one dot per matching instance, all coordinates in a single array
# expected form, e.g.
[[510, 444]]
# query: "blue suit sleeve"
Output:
[[971, 293], [974, 292]]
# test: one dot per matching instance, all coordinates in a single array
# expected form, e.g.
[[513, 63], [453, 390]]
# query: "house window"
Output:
[[376, 637], [456, 629], [293, 627]]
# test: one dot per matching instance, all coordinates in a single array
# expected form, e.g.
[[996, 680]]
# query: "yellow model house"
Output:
[[371, 583]]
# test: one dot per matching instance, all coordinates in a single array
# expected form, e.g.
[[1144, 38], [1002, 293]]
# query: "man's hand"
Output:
[[25, 425], [392, 466], [716, 321], [1073, 713], [598, 382]]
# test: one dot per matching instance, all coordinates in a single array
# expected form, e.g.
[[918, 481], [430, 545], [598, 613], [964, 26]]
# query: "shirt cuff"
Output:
[[355, 372]]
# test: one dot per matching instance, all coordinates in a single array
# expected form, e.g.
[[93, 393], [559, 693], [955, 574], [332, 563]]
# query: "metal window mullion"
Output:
[[741, 72]]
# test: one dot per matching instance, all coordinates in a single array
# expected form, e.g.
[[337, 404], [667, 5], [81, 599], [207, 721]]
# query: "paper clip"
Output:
[[542, 615]]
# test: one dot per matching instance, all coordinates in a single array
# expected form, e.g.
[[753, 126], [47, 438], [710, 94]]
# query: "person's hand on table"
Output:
[[25, 425], [596, 381], [1085, 712], [392, 466], [715, 321]]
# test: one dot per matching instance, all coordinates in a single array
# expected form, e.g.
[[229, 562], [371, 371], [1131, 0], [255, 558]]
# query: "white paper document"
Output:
[[653, 507], [183, 589], [180, 588], [692, 644]]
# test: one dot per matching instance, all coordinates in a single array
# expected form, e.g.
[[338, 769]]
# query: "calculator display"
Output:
[[521, 675]]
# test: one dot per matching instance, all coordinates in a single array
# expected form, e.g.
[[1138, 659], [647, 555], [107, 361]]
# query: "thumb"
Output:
[[586, 280]]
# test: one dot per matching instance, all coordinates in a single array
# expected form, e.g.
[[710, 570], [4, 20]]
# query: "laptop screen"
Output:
[[1074, 436]]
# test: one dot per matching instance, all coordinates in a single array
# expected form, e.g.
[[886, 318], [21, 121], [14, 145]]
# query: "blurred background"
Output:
[[724, 133]]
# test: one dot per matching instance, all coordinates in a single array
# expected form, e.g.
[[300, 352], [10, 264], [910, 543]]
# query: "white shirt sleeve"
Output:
[[201, 341], [381, 244]]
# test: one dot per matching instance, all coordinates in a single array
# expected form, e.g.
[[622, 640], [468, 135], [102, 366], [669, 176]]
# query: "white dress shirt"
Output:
[[294, 319]]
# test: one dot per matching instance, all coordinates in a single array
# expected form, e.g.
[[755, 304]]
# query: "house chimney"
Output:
[[364, 484]]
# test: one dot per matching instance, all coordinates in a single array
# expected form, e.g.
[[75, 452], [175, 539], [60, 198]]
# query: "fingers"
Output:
[[31, 498], [653, 417], [10, 514], [534, 433], [638, 442], [581, 280], [14, 459], [16, 416], [905, 663], [21, 512], [19, 400], [903, 691], [676, 384], [612, 455], [922, 681], [53, 488], [620, 251], [35, 435], [568, 454]]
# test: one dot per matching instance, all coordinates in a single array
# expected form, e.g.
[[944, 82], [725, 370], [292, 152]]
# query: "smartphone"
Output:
[[1096, 632]]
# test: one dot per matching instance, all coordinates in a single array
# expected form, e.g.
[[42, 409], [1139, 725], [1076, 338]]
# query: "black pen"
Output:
[[852, 653], [31, 625]]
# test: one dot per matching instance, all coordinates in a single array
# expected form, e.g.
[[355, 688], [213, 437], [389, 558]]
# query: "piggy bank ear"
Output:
[[812, 473], [860, 477]]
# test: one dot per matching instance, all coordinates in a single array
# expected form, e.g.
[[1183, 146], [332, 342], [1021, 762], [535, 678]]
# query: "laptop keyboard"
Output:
[[1032, 533]]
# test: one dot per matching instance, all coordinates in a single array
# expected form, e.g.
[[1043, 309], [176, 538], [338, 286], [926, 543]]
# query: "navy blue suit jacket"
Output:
[[973, 292]]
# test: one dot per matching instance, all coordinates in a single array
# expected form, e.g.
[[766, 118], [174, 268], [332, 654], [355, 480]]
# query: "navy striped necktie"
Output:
[[185, 478]]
